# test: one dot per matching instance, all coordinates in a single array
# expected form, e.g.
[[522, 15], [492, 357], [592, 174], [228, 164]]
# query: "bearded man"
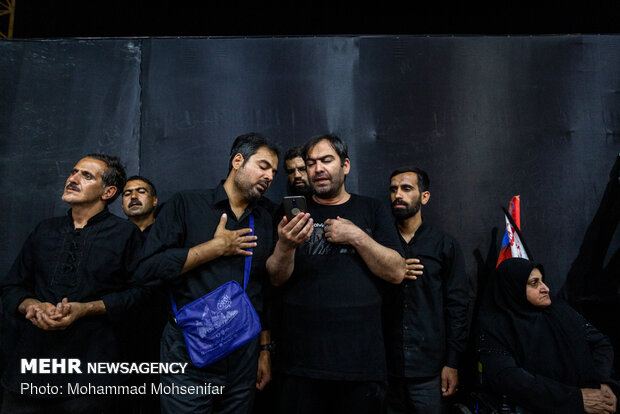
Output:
[[425, 318], [199, 242], [296, 172]]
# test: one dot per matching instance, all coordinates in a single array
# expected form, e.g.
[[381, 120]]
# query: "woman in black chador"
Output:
[[539, 352]]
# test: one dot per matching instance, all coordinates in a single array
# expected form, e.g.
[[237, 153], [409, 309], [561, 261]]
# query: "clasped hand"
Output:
[[48, 317], [599, 401]]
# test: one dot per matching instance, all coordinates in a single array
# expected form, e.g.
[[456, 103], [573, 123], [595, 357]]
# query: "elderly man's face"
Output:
[[85, 183]]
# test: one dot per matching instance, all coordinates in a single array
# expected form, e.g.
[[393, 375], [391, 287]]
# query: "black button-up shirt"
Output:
[[83, 265], [426, 321], [190, 218]]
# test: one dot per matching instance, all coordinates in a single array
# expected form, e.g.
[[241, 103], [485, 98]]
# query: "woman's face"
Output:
[[536, 291]]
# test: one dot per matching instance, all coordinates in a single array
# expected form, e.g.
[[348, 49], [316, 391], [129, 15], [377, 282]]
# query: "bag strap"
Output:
[[246, 269], [248, 259], [174, 304]]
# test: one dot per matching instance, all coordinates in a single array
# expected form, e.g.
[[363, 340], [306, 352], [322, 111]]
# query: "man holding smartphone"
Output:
[[331, 264]]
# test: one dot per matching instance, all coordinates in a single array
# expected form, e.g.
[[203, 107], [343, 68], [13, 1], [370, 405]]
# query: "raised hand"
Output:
[[234, 241], [295, 232]]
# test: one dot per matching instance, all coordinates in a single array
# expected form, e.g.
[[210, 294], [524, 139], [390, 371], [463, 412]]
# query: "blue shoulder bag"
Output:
[[219, 322]]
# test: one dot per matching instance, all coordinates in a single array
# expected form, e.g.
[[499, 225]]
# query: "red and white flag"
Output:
[[512, 244]]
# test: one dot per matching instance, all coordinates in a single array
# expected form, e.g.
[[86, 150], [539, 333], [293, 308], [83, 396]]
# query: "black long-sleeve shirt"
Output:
[[93, 263], [190, 218], [426, 321]]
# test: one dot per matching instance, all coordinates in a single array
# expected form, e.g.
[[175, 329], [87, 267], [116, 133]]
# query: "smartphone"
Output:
[[293, 205]]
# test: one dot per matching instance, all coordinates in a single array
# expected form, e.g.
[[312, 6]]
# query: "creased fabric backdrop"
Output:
[[487, 117]]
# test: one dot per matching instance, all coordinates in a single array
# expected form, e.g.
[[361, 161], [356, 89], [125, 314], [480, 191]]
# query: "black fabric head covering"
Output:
[[510, 282], [549, 341]]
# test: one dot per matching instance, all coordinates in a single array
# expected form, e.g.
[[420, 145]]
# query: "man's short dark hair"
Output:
[[424, 183], [248, 144], [294, 152], [146, 180], [113, 175], [337, 144]]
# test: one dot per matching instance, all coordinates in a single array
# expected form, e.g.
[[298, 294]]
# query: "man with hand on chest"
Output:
[[199, 242], [331, 263], [426, 318]]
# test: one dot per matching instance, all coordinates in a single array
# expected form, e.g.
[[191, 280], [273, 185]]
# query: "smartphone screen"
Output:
[[293, 205]]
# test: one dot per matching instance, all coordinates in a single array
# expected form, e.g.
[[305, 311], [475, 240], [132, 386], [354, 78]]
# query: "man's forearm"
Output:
[[82, 309], [265, 337], [280, 264], [96, 307], [203, 253], [384, 262], [49, 317]]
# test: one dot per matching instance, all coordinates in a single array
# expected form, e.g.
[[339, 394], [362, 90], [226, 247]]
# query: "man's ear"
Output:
[[108, 192], [346, 165], [426, 195], [155, 201], [237, 161]]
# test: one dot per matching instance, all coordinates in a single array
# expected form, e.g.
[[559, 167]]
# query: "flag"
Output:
[[512, 243]]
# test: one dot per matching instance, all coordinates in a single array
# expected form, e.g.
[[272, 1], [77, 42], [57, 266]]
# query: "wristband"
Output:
[[267, 347]]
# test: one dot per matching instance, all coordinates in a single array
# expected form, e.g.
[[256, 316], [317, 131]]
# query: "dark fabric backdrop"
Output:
[[487, 117]]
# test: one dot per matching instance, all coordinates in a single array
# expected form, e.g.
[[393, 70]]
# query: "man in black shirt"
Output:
[[139, 199], [199, 242], [296, 172], [426, 317], [139, 202], [70, 292], [331, 264], [297, 184]]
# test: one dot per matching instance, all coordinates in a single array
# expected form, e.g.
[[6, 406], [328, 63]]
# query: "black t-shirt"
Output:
[[331, 305]]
